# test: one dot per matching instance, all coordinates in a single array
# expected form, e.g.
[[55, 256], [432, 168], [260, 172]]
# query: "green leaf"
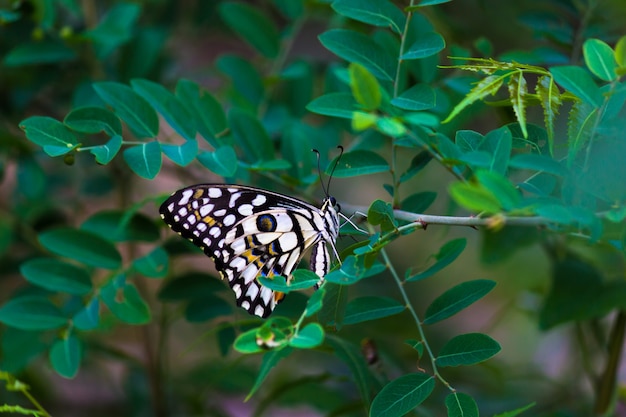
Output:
[[105, 153], [253, 26], [425, 3], [183, 154], [310, 336], [402, 395], [427, 44], [88, 318], [133, 109], [301, 280], [461, 405], [365, 87], [574, 284], [516, 412], [357, 163], [353, 358], [381, 13], [456, 299], [250, 134], [600, 59], [247, 81], [190, 286], [381, 213], [620, 52], [334, 304], [32, 313], [579, 82], [65, 356], [447, 254], [153, 265], [125, 303], [207, 112], [474, 197], [55, 275], [315, 303], [418, 202], [486, 86], [418, 97], [468, 140], [418, 163], [168, 105], [508, 196], [467, 349], [116, 28], [540, 163], [498, 143], [223, 161], [352, 270], [93, 120], [371, 308], [390, 126], [270, 360], [246, 342], [357, 47], [550, 99], [341, 105], [518, 91], [53, 136], [82, 246], [145, 160], [273, 165], [119, 226], [207, 308], [47, 51]]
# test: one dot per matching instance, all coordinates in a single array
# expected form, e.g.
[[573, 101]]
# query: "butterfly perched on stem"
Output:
[[250, 232]]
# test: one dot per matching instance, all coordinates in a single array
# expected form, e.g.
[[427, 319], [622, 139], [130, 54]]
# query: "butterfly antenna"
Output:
[[319, 171], [330, 177]]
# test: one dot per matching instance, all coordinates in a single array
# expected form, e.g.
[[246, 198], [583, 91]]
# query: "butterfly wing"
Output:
[[248, 232]]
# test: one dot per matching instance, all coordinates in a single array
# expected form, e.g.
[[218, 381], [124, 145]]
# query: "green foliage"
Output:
[[85, 253]]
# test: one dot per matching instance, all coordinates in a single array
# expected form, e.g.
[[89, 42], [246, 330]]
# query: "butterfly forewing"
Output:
[[251, 232]]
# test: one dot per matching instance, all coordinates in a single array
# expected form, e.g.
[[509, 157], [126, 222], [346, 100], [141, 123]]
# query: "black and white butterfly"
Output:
[[250, 232]]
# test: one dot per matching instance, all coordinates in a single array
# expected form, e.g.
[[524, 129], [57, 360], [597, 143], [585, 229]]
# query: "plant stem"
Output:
[[418, 322], [605, 390], [420, 220]]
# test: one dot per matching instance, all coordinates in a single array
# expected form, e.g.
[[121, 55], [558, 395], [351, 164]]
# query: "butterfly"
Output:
[[251, 232]]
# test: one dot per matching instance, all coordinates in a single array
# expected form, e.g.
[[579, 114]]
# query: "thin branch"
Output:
[[428, 219]]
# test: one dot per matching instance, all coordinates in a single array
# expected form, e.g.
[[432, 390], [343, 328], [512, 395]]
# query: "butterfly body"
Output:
[[250, 232]]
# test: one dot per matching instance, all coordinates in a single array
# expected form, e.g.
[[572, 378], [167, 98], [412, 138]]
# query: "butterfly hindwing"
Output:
[[250, 232]]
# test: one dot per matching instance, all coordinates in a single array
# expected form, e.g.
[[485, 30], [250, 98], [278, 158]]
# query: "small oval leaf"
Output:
[[467, 349], [402, 395]]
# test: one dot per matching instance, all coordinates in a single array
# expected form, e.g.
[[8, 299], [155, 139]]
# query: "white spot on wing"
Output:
[[250, 273], [233, 199], [215, 193], [245, 209], [237, 290], [253, 292], [266, 295], [185, 198], [229, 220], [220, 212], [206, 209], [214, 231], [259, 311], [259, 200], [191, 219], [238, 263], [245, 305]]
